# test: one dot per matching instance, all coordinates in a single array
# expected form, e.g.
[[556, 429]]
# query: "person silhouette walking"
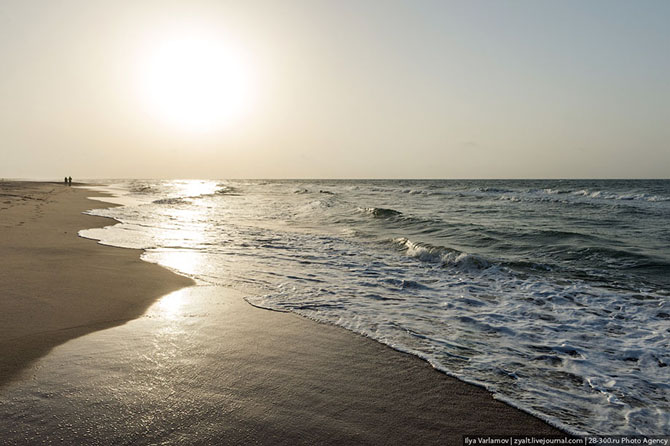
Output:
[[69, 181]]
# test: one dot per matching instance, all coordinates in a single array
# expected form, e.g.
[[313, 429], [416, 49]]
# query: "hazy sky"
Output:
[[335, 89]]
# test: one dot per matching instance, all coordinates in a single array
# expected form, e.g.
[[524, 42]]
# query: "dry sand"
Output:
[[292, 380]]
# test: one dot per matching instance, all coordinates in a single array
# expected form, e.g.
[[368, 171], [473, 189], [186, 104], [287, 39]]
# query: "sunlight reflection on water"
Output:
[[170, 306], [193, 188], [186, 261]]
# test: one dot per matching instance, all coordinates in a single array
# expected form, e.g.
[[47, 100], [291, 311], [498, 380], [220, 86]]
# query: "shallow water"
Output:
[[552, 294]]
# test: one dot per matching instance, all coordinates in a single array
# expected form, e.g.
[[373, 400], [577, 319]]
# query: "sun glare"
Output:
[[194, 82]]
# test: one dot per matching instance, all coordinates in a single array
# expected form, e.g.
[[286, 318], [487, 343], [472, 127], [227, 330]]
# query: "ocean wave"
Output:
[[565, 195], [382, 212], [618, 258], [143, 188], [420, 192], [226, 190], [403, 284], [442, 255], [550, 191], [547, 236], [622, 196], [494, 190]]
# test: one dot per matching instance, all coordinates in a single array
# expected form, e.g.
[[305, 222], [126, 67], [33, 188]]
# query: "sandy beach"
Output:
[[56, 285], [290, 380]]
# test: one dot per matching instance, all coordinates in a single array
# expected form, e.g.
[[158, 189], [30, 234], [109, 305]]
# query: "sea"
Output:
[[552, 294]]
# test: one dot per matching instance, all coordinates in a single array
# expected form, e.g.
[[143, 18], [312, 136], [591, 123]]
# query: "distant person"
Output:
[[69, 181], [65, 181]]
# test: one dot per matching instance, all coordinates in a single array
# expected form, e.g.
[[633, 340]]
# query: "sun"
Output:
[[194, 81]]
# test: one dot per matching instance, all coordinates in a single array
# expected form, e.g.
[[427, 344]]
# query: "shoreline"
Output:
[[57, 285], [379, 390]]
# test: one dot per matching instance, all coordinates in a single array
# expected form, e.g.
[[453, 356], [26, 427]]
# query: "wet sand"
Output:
[[56, 285], [260, 376]]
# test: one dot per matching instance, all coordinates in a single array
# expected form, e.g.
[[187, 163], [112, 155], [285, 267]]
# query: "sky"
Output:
[[334, 89]]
